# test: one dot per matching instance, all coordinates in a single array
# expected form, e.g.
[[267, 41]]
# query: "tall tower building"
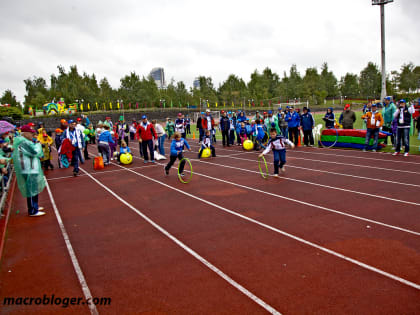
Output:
[[158, 75], [196, 83]]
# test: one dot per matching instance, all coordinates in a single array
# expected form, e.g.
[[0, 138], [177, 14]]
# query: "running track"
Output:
[[339, 233]]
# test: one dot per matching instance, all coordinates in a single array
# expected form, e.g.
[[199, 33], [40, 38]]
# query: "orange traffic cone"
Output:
[[193, 135]]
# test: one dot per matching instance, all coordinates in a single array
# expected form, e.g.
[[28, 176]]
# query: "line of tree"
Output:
[[263, 88]]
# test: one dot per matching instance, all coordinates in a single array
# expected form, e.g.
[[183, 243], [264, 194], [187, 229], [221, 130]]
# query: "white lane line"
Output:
[[324, 249], [327, 172], [326, 186], [339, 163], [188, 249], [295, 200], [359, 157], [368, 152], [75, 262], [305, 203], [334, 173]]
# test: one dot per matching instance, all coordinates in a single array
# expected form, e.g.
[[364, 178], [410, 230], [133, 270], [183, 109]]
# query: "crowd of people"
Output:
[[31, 147]]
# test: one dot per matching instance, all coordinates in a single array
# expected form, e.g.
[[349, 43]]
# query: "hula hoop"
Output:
[[336, 139], [181, 179], [263, 174]]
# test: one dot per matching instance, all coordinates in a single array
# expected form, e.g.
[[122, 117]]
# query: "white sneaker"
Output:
[[276, 175], [395, 153], [40, 208], [283, 169], [38, 214], [406, 154], [373, 150]]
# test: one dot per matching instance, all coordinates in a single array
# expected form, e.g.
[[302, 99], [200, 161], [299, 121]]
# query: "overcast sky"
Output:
[[191, 38]]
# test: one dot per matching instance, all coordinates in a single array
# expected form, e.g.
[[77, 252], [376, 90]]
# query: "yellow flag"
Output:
[[88, 107], [216, 104], [110, 105], [118, 105], [233, 104], [96, 105], [208, 105], [224, 104], [81, 107]]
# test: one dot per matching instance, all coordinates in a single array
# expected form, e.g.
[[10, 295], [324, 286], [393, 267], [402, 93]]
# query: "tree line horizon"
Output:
[[263, 88]]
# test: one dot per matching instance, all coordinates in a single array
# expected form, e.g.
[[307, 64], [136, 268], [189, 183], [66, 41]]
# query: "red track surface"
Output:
[[124, 257]]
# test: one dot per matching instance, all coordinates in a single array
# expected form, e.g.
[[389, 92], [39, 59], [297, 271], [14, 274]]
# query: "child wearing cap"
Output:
[[277, 144], [46, 142], [177, 147], [260, 135]]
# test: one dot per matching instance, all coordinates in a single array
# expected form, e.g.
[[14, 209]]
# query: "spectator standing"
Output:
[[329, 118], [224, 126], [293, 122], [374, 122], [307, 124], [199, 127], [29, 175], [403, 116], [388, 112], [347, 118], [76, 138], [147, 133]]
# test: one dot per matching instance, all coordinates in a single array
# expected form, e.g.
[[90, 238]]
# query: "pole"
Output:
[[383, 85]]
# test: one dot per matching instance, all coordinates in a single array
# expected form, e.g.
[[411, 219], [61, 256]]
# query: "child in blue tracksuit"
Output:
[[207, 143], [104, 141], [260, 135], [177, 147], [277, 144], [123, 150]]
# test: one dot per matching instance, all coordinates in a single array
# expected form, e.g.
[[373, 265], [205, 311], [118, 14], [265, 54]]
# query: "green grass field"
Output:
[[414, 142]]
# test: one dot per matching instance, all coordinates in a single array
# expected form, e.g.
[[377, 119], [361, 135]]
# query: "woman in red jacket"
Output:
[[146, 133]]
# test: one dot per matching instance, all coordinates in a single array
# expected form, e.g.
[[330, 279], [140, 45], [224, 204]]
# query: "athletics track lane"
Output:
[[35, 261], [251, 255], [311, 223]]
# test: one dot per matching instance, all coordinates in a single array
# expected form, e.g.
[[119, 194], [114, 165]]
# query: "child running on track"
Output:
[[177, 147], [207, 143], [277, 143]]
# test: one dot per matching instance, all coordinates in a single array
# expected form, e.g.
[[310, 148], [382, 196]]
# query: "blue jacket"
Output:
[[106, 136], [260, 132], [307, 121], [329, 119], [224, 123], [249, 129], [178, 146], [125, 150], [241, 118], [293, 120]]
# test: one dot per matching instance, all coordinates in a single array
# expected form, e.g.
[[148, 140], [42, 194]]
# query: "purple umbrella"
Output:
[[5, 126]]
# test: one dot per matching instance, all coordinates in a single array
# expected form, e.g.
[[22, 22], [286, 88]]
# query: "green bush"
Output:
[[13, 112]]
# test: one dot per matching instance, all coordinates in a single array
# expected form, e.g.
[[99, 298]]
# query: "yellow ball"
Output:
[[126, 158], [206, 153], [248, 145]]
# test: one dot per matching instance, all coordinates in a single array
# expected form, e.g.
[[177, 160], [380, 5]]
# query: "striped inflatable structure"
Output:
[[349, 138]]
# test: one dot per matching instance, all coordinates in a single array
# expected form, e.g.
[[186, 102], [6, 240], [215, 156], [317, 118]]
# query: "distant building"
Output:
[[158, 75], [196, 83]]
